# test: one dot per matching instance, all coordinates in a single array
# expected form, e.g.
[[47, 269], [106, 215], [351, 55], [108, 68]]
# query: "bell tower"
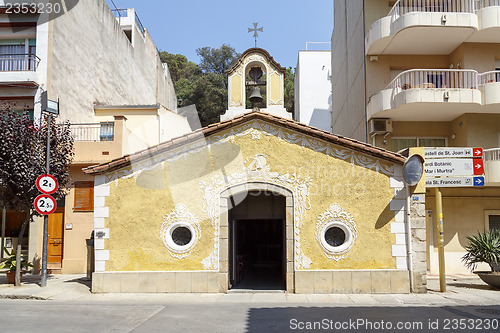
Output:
[[259, 76]]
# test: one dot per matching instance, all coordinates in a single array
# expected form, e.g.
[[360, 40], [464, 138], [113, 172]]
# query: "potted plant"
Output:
[[10, 263], [485, 247]]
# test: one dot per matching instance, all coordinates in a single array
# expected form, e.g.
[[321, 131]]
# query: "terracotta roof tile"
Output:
[[214, 128]]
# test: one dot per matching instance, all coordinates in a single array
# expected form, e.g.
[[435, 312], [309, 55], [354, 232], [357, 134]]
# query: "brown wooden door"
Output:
[[55, 245]]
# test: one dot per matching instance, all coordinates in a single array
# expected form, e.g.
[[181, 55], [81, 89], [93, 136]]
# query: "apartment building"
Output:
[[424, 73], [103, 68], [313, 89]]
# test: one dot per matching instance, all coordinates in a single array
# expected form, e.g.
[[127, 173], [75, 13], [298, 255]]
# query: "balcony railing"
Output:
[[489, 77], [492, 154], [486, 3], [119, 13], [432, 78], [18, 62], [93, 132], [402, 7]]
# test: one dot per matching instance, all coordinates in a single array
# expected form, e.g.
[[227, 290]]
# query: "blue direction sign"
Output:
[[478, 181], [454, 181]]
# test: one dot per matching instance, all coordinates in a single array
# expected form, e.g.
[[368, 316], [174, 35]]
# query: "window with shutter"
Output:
[[494, 222], [84, 196]]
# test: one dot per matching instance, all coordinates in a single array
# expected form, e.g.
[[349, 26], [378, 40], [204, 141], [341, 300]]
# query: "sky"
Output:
[[182, 26]]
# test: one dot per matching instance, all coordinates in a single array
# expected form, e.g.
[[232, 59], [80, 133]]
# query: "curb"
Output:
[[24, 297]]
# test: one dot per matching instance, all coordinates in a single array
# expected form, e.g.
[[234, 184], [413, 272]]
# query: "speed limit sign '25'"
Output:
[[45, 204], [47, 184]]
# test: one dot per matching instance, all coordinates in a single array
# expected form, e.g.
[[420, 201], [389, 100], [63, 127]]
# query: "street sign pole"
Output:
[[4, 213], [43, 282], [440, 229]]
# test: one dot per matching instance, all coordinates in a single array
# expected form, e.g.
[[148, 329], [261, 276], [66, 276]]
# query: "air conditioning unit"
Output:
[[380, 126]]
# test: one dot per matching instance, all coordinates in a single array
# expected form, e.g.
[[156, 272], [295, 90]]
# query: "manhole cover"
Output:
[[495, 312]]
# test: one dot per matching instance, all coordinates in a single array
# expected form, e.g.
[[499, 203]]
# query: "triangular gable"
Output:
[[253, 123]]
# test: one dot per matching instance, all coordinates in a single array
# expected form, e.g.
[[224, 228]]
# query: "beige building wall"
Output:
[[348, 72], [464, 214], [92, 62], [474, 125]]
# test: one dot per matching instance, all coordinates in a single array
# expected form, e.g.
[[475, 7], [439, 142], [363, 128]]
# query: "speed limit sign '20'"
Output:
[[45, 204], [47, 184]]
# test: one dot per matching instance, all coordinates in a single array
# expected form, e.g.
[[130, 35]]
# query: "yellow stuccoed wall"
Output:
[[137, 205]]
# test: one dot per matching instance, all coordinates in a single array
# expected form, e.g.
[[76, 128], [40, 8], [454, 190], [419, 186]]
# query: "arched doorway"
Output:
[[259, 243]]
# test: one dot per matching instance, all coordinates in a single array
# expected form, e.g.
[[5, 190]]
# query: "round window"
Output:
[[181, 236], [335, 236]]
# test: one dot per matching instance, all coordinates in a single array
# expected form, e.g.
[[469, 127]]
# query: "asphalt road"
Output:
[[51, 316]]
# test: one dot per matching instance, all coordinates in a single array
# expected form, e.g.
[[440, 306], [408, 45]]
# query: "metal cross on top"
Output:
[[254, 30]]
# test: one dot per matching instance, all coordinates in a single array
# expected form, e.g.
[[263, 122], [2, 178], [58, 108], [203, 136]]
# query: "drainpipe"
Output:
[[408, 235]]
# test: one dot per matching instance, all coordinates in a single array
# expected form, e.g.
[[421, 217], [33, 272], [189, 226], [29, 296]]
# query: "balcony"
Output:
[[490, 88], [488, 13], [430, 94], [492, 166], [423, 27], [19, 68], [98, 142]]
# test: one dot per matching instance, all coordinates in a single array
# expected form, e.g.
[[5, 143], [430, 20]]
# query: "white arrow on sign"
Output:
[[454, 182], [454, 167], [453, 152]]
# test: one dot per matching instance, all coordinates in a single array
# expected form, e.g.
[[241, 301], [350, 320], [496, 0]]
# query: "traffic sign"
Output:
[[454, 167], [454, 182], [47, 184], [45, 204], [453, 152]]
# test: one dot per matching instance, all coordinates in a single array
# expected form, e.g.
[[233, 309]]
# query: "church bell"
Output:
[[255, 97]]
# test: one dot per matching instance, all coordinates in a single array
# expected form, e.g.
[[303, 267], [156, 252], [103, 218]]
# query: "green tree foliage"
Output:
[[289, 87], [205, 84], [218, 60], [22, 160]]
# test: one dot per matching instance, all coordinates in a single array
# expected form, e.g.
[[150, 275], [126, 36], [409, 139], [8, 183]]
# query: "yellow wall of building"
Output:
[[236, 98], [137, 205]]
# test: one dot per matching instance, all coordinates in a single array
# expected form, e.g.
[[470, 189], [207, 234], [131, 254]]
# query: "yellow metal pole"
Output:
[[440, 227]]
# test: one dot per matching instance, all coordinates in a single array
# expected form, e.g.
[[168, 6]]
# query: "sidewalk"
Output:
[[461, 290]]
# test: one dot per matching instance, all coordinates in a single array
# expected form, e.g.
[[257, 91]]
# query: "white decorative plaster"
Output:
[[399, 194], [99, 244], [336, 216], [397, 182], [102, 212], [398, 228], [399, 251], [267, 129], [101, 233], [402, 263], [400, 216], [257, 170], [401, 239], [101, 191], [99, 202], [101, 255], [180, 217], [98, 222], [397, 205], [100, 266], [256, 135]]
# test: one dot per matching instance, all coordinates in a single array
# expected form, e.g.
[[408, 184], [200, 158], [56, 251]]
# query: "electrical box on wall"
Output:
[[380, 126]]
